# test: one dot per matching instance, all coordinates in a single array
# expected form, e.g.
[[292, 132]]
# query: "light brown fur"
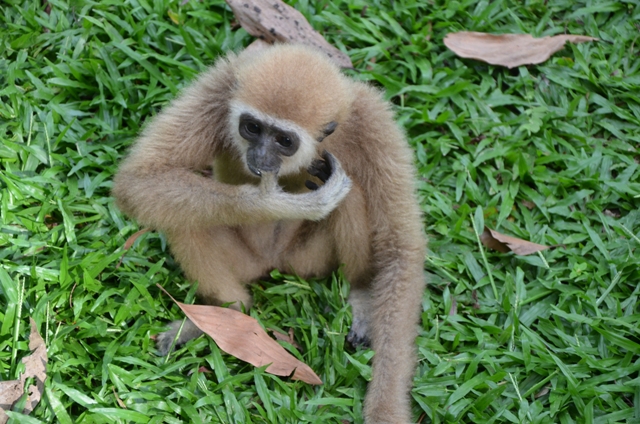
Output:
[[229, 230]]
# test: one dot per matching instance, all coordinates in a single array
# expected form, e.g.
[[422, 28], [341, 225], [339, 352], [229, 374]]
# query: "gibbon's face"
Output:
[[269, 144], [285, 100]]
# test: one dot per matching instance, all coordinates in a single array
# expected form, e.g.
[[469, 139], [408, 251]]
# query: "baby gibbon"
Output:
[[310, 171]]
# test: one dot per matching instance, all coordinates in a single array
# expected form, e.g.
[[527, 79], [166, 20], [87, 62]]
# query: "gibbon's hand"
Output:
[[319, 168], [312, 206], [336, 186]]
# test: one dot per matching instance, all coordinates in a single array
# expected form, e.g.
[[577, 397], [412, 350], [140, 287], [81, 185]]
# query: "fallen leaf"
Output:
[[286, 338], [120, 402], [508, 50], [527, 204], [474, 297], [201, 369], [242, 336], [129, 243], [503, 243], [134, 237], [614, 213], [10, 392], [36, 368], [488, 241], [454, 306], [274, 21], [545, 390]]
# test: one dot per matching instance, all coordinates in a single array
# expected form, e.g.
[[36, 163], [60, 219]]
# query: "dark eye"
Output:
[[283, 140], [252, 128]]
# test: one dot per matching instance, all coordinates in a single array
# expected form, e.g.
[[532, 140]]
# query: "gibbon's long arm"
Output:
[[385, 171], [171, 198], [159, 184]]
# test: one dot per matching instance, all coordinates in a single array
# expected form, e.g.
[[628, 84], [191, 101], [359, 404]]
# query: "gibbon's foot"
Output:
[[359, 300], [358, 334], [165, 339]]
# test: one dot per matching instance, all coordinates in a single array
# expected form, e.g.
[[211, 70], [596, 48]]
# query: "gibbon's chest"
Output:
[[305, 248], [267, 240], [271, 243]]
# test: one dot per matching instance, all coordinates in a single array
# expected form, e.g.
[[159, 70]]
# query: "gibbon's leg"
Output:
[[309, 252], [360, 301], [352, 236], [220, 261], [222, 264]]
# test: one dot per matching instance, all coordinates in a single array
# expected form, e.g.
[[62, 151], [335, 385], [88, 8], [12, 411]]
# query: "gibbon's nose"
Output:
[[261, 159]]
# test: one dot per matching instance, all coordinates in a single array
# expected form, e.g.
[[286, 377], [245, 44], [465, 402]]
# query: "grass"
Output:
[[549, 153]]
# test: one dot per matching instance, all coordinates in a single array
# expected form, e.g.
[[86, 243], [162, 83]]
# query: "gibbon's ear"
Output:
[[328, 130]]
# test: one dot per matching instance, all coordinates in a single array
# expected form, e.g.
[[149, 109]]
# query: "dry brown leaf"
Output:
[[36, 368], [129, 243], [134, 237], [274, 21], [545, 390], [503, 243], [527, 204], [474, 297], [201, 369], [121, 404], [242, 336], [488, 241], [508, 50], [289, 338], [10, 392], [454, 306], [255, 47]]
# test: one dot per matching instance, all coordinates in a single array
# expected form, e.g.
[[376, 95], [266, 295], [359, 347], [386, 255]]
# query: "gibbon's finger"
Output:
[[324, 175], [268, 182], [311, 185], [332, 163], [315, 167], [320, 169], [324, 171], [318, 164]]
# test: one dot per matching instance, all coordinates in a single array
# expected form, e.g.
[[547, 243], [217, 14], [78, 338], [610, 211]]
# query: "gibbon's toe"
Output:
[[165, 339], [163, 342], [358, 335]]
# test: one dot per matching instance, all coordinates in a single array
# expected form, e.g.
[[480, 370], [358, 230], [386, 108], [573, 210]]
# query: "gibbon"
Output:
[[310, 171]]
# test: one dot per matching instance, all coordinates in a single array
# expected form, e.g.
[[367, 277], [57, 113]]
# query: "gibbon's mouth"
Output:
[[259, 170], [258, 161], [254, 170]]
